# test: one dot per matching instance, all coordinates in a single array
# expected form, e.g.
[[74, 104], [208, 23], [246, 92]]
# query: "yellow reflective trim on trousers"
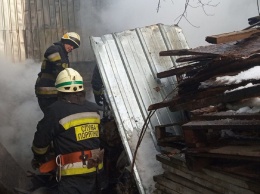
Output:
[[73, 171], [80, 121], [40, 151]]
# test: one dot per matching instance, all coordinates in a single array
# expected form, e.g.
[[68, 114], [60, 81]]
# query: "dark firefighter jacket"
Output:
[[71, 128], [55, 60]]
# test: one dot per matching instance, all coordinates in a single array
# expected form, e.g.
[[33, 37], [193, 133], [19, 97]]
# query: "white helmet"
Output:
[[71, 38], [69, 80]]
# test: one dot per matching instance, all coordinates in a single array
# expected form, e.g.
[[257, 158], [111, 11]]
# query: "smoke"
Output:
[[18, 108], [227, 16]]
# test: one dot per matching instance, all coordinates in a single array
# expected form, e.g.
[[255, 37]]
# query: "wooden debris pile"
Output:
[[216, 136]]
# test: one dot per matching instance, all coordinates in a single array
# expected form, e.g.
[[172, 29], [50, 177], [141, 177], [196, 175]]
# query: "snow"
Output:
[[251, 105], [250, 74]]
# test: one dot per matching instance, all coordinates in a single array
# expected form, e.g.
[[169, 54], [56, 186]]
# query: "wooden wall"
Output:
[[28, 27]]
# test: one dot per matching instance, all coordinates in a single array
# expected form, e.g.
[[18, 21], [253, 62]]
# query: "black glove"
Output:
[[99, 99], [38, 160], [35, 164]]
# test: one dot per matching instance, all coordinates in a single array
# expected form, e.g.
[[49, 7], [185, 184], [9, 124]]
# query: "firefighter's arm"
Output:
[[38, 159], [97, 86], [41, 143], [52, 54], [99, 95]]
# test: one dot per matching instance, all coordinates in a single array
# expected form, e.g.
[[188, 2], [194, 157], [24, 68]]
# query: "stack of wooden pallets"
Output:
[[217, 144]]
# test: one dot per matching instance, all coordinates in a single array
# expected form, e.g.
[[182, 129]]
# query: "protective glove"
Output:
[[35, 163], [38, 160], [99, 96], [99, 99]]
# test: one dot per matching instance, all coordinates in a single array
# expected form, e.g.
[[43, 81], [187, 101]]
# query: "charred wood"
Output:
[[218, 68], [186, 52], [178, 104]]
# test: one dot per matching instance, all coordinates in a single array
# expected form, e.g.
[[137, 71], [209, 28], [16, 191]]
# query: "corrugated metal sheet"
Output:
[[128, 62], [28, 27]]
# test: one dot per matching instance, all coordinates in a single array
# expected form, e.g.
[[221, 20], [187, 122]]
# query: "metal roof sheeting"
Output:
[[129, 62]]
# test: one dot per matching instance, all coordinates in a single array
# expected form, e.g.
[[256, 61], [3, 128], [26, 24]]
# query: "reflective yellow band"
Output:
[[46, 90], [40, 151], [78, 122], [79, 116], [80, 119], [65, 65], [54, 57], [73, 171]]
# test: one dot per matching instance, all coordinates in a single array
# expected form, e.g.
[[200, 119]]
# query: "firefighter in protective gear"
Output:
[[55, 60], [72, 124], [98, 87]]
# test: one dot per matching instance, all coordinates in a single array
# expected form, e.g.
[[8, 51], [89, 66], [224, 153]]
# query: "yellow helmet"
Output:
[[69, 80], [71, 38]]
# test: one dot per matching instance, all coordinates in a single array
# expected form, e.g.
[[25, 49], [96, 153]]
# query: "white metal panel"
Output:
[[129, 62]]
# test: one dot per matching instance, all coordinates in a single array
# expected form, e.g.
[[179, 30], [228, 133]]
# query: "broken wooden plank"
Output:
[[182, 52], [235, 95], [220, 67], [232, 36], [194, 59], [174, 138], [197, 113], [179, 70], [226, 158], [223, 124], [227, 115], [241, 48], [160, 131], [197, 134], [201, 136], [235, 151], [225, 164]]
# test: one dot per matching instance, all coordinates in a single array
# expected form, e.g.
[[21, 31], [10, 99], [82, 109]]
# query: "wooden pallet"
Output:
[[177, 178]]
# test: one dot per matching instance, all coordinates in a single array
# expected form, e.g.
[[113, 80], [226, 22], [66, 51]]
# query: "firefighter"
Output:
[[55, 60], [72, 124], [97, 86]]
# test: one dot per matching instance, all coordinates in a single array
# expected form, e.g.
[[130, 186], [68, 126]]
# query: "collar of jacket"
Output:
[[62, 46]]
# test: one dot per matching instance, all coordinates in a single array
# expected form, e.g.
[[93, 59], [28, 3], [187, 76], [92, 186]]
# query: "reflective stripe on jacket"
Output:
[[46, 91], [78, 168], [71, 128]]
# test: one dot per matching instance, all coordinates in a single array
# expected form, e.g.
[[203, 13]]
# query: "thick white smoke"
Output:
[[18, 108], [227, 16]]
